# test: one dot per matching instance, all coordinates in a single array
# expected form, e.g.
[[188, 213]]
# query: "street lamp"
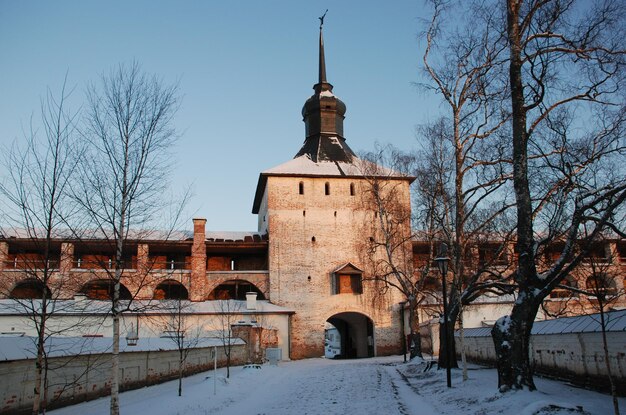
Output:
[[133, 336], [442, 263]]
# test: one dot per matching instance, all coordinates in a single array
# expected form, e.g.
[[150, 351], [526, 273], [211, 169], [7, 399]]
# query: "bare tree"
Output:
[[35, 196], [223, 327], [181, 329], [566, 73], [128, 129], [389, 250], [463, 60], [602, 292]]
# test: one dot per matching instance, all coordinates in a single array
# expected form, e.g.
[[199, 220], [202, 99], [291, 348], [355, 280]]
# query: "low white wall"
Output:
[[78, 378], [578, 357]]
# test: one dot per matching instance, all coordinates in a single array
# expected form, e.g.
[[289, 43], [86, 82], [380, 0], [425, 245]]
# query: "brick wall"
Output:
[[311, 235]]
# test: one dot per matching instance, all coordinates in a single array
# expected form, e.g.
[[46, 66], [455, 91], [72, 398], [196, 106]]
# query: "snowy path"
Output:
[[380, 386], [319, 386], [313, 386]]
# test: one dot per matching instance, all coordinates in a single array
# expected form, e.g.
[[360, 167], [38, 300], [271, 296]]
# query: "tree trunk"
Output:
[[180, 374], [228, 365], [607, 362], [462, 344], [39, 362], [511, 338], [447, 355], [416, 350], [115, 363], [447, 352], [511, 334]]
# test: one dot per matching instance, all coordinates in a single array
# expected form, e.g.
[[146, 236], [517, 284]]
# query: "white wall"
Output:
[[78, 378]]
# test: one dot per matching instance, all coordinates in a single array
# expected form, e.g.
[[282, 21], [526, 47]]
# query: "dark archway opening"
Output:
[[171, 290], [352, 334], [103, 290], [30, 289], [235, 290]]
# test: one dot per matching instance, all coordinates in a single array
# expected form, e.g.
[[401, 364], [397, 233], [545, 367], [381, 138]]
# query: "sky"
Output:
[[244, 70]]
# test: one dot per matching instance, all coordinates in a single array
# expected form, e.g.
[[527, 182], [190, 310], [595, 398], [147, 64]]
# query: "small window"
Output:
[[301, 188], [327, 188], [313, 239], [351, 189], [232, 264]]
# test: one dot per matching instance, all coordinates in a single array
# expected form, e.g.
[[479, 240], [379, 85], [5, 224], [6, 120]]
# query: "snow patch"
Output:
[[504, 324]]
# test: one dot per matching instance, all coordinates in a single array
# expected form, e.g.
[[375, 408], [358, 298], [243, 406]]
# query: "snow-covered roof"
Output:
[[616, 321], [19, 348], [149, 235], [87, 235], [96, 307], [304, 166], [228, 236]]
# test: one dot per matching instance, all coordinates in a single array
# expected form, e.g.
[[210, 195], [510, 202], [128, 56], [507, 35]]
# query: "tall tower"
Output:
[[312, 209]]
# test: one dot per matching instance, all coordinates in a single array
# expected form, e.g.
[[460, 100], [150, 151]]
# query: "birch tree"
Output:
[[183, 330], [36, 204], [124, 175], [228, 311]]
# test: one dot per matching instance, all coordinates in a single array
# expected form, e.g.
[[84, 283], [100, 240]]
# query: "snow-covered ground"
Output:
[[368, 386]]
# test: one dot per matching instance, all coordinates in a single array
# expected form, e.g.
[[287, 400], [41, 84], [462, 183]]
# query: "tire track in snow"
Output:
[[396, 394]]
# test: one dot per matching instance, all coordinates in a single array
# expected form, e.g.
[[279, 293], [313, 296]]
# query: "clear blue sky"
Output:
[[245, 70]]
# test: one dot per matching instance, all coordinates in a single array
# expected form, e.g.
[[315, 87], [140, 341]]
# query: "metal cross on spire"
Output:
[[322, 19]]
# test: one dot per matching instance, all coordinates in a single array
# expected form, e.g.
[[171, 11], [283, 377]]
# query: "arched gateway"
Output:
[[351, 336]]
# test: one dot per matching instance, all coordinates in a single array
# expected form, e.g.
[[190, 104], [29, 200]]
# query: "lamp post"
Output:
[[402, 304], [442, 263]]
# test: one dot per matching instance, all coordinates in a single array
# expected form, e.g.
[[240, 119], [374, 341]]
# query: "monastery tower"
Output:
[[313, 211]]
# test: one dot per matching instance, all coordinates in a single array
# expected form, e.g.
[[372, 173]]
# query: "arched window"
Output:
[[601, 285], [171, 290], [301, 188], [351, 189], [326, 188], [30, 289], [562, 291], [103, 290]]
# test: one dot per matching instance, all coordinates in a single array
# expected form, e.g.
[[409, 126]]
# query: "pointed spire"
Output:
[[322, 77], [323, 114], [322, 84]]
